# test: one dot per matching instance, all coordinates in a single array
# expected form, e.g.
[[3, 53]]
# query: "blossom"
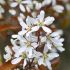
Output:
[[46, 59], [54, 40], [40, 22], [25, 50], [8, 54], [21, 4]]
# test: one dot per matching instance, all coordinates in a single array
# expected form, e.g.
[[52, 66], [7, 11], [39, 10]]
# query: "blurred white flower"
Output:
[[58, 8], [22, 5], [12, 11]]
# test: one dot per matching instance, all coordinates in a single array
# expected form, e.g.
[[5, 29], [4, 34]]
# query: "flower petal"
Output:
[[14, 4], [7, 57], [49, 20], [35, 28], [24, 64], [58, 8], [35, 45], [61, 49], [8, 50], [16, 60], [22, 8], [46, 29], [46, 2], [22, 23], [48, 64], [41, 16], [52, 55]]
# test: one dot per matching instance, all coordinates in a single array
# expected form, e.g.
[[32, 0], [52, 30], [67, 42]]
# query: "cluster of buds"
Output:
[[38, 43]]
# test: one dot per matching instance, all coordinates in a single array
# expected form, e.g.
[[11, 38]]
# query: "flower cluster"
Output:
[[31, 6], [36, 34]]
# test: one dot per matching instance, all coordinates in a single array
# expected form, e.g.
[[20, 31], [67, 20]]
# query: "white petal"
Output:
[[45, 49], [22, 8], [49, 20], [56, 42], [48, 64], [14, 4], [8, 50], [43, 39], [54, 34], [7, 57], [28, 21], [46, 2], [35, 28], [40, 61], [58, 8], [49, 45], [14, 36], [15, 48], [46, 29], [27, 2], [28, 33], [12, 12], [28, 9], [22, 49], [29, 52], [61, 49], [35, 45], [38, 6], [22, 15], [41, 15], [16, 60], [52, 55], [36, 54], [62, 39], [22, 23], [24, 64], [22, 32]]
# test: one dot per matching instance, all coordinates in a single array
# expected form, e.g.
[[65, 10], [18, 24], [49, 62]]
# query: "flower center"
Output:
[[24, 55], [40, 24]]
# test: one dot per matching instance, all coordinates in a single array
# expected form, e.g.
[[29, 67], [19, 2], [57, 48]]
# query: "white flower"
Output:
[[58, 8], [46, 59], [54, 40], [40, 22], [22, 5], [8, 54]]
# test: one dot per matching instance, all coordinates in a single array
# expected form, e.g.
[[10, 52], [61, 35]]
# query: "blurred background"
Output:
[[9, 25]]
